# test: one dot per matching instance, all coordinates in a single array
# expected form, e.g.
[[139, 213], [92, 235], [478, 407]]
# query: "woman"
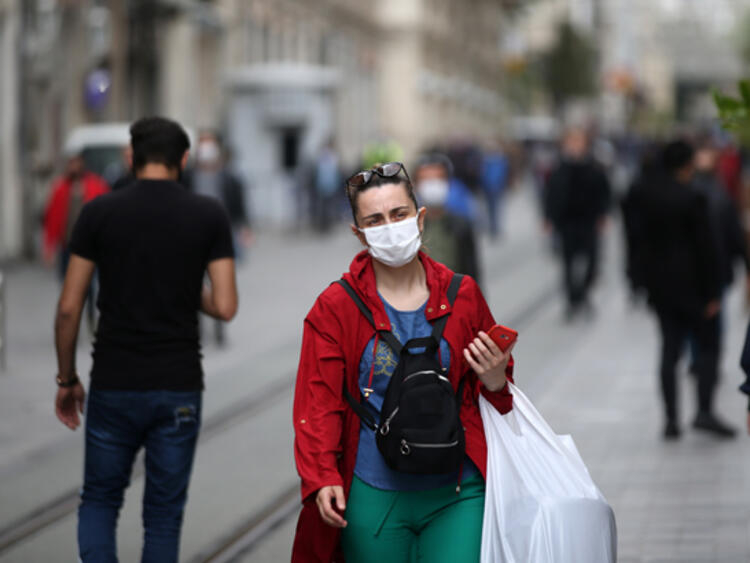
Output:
[[355, 508]]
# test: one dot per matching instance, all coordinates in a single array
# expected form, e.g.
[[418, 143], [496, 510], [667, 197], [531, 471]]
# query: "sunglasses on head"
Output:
[[387, 170]]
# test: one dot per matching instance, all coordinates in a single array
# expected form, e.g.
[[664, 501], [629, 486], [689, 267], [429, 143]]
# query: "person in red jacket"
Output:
[[76, 187], [355, 507]]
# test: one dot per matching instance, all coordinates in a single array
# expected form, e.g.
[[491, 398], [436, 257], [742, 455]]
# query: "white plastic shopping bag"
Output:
[[541, 504]]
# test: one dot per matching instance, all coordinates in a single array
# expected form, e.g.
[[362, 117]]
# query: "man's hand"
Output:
[[70, 402], [330, 512], [488, 361]]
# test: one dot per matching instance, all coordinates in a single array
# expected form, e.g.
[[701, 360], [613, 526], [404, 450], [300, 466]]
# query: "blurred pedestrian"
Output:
[[745, 365], [449, 236], [724, 216], [152, 244], [682, 277], [495, 173], [649, 172], [577, 199], [729, 167], [727, 232], [212, 177], [327, 180], [356, 505], [70, 192]]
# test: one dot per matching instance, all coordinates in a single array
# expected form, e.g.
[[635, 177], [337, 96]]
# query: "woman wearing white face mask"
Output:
[[358, 504]]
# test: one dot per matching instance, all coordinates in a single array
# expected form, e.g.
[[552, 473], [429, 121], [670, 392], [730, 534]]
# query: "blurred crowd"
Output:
[[681, 204]]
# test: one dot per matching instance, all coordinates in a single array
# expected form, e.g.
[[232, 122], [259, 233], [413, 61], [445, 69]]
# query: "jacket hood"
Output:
[[361, 276]]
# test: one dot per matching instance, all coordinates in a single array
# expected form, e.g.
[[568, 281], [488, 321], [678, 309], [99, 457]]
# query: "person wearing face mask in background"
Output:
[[210, 176], [449, 234], [355, 506]]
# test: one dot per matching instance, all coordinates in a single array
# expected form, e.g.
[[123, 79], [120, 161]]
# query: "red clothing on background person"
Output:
[[730, 171], [56, 214], [327, 429]]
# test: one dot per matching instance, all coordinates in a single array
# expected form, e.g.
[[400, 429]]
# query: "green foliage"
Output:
[[570, 66], [734, 112]]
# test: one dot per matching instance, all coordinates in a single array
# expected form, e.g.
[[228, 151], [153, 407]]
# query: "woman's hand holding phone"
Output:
[[488, 361]]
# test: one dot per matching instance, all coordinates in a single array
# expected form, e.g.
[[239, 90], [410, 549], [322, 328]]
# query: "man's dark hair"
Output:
[[157, 140], [677, 155]]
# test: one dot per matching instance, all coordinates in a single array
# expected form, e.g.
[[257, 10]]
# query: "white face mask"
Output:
[[394, 244], [208, 152], [433, 192]]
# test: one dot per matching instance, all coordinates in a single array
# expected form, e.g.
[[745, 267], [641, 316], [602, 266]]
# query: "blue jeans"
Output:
[[118, 423]]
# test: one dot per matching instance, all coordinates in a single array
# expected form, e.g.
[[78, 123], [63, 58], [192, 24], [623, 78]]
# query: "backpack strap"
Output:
[[386, 335], [361, 411], [365, 415], [439, 325]]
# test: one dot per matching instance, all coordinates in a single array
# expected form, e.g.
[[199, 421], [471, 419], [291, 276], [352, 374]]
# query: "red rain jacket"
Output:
[[326, 428], [56, 215]]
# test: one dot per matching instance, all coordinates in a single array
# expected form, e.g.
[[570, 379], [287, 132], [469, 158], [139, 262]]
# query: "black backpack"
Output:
[[420, 430]]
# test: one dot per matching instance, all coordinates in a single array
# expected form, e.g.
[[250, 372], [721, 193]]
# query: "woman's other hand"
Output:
[[488, 361], [331, 503]]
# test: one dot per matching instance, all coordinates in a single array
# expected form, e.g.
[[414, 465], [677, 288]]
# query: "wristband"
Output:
[[69, 383]]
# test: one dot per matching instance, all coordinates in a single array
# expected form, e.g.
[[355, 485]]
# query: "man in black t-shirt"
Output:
[[152, 244]]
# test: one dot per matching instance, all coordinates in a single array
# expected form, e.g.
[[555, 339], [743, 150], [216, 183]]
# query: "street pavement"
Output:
[[687, 501]]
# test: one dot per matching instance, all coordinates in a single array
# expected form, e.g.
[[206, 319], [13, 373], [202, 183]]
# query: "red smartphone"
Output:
[[502, 336]]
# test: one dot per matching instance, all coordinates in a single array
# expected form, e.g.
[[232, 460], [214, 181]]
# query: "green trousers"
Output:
[[432, 526]]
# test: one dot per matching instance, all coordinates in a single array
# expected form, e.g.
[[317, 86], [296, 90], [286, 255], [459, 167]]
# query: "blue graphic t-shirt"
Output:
[[371, 467]]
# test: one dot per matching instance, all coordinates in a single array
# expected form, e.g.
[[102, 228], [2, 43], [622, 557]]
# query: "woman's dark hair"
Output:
[[677, 155], [157, 140], [352, 192]]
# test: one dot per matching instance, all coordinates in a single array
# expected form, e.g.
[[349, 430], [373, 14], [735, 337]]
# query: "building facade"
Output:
[[280, 77], [11, 195], [299, 74], [669, 52]]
